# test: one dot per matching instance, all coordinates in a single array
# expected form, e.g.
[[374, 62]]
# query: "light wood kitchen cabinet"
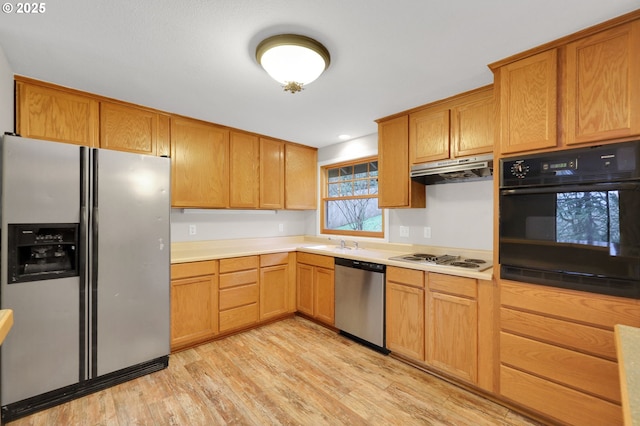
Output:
[[473, 123], [200, 164], [315, 287], [133, 129], [527, 91], [602, 86], [558, 346], [244, 177], [276, 285], [452, 325], [51, 113], [194, 303], [405, 312], [271, 174], [429, 135], [301, 177], [238, 292], [395, 188]]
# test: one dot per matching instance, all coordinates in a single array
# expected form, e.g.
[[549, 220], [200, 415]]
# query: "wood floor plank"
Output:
[[292, 372]]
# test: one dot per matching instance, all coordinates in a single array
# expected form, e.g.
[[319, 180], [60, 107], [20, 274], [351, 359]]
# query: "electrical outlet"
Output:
[[427, 232], [281, 227], [192, 230], [404, 231]]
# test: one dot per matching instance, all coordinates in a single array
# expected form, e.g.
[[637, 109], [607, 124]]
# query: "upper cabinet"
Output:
[[133, 129], [528, 90], [271, 174], [395, 189], [301, 181], [577, 90], [458, 126], [200, 164], [602, 88], [44, 112], [244, 162]]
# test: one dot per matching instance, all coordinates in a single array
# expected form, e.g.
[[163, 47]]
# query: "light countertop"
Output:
[[6, 322], [368, 251], [628, 349]]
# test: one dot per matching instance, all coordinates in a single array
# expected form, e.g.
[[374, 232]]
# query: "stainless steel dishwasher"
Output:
[[360, 302]]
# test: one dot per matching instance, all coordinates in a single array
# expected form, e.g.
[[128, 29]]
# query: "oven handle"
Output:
[[608, 186]]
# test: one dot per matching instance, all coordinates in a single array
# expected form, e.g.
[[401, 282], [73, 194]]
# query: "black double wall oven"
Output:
[[571, 219]]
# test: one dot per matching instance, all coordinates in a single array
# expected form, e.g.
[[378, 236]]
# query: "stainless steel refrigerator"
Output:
[[84, 264]]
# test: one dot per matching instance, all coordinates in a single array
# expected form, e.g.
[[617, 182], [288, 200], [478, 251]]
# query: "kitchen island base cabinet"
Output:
[[405, 312], [194, 303], [315, 287]]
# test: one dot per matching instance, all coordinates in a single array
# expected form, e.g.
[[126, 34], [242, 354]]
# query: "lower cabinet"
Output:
[[405, 312], [452, 325], [194, 303], [315, 287], [557, 352], [238, 292], [277, 289]]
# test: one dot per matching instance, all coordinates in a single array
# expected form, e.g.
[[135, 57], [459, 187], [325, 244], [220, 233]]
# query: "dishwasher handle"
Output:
[[358, 264]]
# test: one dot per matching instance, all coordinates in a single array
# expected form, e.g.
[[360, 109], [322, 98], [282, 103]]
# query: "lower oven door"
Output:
[[583, 237]]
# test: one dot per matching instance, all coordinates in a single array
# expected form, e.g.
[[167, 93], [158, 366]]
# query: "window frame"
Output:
[[324, 197]]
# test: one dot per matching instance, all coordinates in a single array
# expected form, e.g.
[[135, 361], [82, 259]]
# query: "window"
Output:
[[350, 199]]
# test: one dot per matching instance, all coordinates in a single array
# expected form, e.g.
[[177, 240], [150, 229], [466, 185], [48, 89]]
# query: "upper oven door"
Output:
[[582, 230]]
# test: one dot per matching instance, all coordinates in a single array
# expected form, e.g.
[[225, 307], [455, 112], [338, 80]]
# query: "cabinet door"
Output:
[[274, 291], [324, 295], [126, 128], [200, 164], [193, 310], [244, 159], [271, 174], [56, 115], [301, 182], [304, 286], [472, 125], [429, 135], [603, 86], [528, 103], [452, 342], [395, 189], [405, 320]]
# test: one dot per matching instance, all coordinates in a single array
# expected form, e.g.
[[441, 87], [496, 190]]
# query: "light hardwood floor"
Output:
[[291, 372]]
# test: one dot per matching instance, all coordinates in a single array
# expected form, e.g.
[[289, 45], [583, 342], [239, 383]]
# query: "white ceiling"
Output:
[[197, 57]]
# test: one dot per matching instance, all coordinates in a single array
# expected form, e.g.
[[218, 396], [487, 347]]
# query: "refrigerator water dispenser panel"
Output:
[[42, 252]]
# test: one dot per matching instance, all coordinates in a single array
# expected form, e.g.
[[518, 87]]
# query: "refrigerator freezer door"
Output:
[[133, 260], [40, 184]]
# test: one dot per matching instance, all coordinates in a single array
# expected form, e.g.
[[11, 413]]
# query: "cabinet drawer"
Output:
[[274, 259], [238, 317], [193, 269], [583, 338], [565, 404], [238, 278], [238, 264], [460, 286], [238, 296], [579, 371], [327, 262], [407, 276]]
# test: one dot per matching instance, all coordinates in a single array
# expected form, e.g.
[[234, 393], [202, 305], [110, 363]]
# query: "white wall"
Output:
[[6, 95]]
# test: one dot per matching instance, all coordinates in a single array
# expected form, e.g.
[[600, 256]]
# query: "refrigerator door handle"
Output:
[[83, 270], [93, 261]]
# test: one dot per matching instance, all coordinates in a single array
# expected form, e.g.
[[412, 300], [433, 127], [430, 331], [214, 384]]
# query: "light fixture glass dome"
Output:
[[292, 60]]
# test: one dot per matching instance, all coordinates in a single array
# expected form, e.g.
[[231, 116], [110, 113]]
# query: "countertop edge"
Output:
[[628, 348], [6, 322]]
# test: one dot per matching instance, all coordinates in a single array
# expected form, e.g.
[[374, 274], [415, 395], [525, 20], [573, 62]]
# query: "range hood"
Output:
[[457, 170]]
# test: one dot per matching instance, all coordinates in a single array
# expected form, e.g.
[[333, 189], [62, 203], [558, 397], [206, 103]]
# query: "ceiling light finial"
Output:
[[292, 60]]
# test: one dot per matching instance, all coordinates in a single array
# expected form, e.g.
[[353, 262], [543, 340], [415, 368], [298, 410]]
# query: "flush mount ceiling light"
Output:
[[292, 60]]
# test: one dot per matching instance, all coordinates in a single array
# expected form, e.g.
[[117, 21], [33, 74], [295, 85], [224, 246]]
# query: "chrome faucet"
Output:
[[355, 245], [342, 244]]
